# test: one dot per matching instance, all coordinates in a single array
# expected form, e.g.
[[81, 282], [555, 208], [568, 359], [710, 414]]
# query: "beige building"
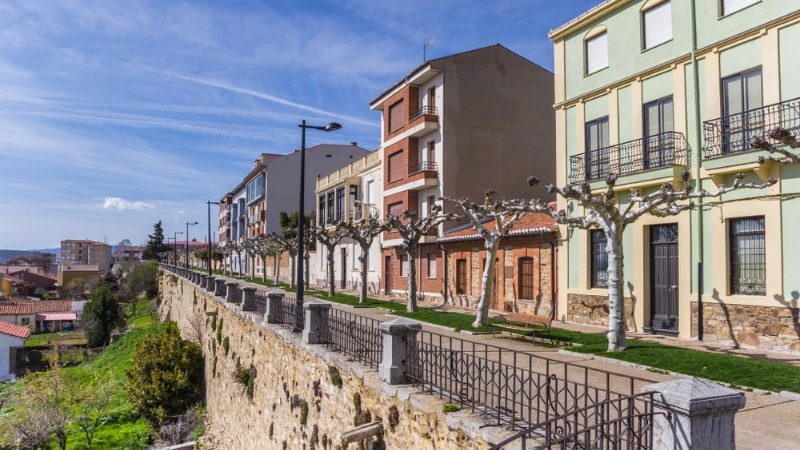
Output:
[[84, 251]]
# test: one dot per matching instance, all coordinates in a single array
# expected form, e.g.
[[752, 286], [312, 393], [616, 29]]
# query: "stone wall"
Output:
[[775, 328], [593, 310], [302, 396]]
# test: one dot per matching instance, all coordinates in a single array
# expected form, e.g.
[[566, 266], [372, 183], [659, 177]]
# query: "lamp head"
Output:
[[333, 126]]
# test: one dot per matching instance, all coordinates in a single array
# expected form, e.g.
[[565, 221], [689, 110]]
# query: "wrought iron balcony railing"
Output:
[[423, 166], [426, 110], [735, 133], [661, 150]]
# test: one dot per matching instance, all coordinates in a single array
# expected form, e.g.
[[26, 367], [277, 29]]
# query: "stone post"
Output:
[[397, 334], [316, 313], [694, 414], [271, 315], [219, 287], [201, 280], [232, 294], [248, 298], [197, 278]]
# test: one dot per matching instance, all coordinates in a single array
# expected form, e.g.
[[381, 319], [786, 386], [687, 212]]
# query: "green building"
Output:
[[648, 90]]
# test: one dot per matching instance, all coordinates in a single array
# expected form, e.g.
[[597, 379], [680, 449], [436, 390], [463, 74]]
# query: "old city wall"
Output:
[[303, 396]]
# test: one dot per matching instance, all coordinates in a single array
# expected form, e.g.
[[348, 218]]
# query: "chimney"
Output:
[[354, 143]]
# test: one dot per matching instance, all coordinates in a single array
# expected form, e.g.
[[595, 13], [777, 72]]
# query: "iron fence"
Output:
[[653, 152], [614, 424], [286, 313], [260, 302], [354, 335], [509, 387], [736, 132], [427, 110], [423, 166]]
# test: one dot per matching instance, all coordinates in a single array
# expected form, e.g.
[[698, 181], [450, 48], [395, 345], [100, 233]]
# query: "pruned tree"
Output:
[[236, 249], [363, 233], [603, 211], [411, 230], [504, 214], [309, 244], [265, 247], [250, 249], [226, 251], [289, 245], [329, 238], [786, 138]]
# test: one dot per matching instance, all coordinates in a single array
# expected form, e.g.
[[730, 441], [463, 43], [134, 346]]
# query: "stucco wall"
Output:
[[290, 374]]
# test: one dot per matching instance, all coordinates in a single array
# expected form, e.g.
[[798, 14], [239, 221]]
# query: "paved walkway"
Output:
[[766, 422]]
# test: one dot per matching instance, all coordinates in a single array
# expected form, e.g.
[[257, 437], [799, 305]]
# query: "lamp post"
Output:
[[175, 247], [187, 241], [333, 126], [209, 203]]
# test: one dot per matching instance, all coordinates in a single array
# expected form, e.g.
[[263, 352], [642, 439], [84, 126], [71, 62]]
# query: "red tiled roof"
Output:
[[14, 330], [35, 307], [34, 279], [529, 224]]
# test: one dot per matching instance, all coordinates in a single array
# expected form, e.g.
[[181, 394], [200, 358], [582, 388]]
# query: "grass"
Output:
[[73, 337], [726, 368], [123, 429]]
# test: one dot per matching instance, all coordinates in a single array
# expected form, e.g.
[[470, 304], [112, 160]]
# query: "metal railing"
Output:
[[423, 166], [426, 110], [509, 387], [354, 335], [660, 150], [615, 424], [285, 313], [735, 133], [260, 299]]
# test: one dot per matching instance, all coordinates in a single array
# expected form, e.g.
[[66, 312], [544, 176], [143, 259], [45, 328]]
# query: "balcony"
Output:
[[663, 150], [427, 166], [423, 121], [736, 133]]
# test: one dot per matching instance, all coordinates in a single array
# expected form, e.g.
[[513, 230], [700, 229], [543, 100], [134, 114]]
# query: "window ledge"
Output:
[[647, 49]]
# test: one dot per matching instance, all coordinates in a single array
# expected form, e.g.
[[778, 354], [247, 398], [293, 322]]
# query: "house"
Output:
[[24, 283], [86, 252], [38, 315], [10, 336], [524, 269], [454, 127], [88, 273], [648, 90], [253, 207], [350, 193]]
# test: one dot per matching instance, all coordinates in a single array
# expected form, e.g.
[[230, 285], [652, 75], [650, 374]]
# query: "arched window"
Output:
[[596, 49]]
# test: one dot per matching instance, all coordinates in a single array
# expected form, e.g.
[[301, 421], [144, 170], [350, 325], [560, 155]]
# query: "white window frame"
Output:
[[728, 7], [435, 258], [664, 8], [603, 62]]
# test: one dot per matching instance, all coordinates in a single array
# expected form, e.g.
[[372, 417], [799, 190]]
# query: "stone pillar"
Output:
[[219, 287], [271, 315], [200, 280], [248, 298], [695, 414], [397, 334], [316, 313], [232, 293]]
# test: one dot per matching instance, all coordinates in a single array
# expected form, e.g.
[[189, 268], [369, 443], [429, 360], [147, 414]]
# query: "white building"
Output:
[[11, 335], [337, 193]]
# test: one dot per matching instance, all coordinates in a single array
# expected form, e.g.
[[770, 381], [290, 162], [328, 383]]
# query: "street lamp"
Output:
[[333, 126], [187, 241], [175, 247], [209, 203]]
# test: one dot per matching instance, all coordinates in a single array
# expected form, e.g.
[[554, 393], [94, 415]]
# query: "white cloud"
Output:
[[120, 204]]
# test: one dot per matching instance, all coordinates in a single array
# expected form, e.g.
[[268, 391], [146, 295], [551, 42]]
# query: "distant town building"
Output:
[[89, 273], [82, 251]]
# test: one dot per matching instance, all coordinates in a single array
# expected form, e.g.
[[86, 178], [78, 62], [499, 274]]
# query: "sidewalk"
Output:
[[766, 421]]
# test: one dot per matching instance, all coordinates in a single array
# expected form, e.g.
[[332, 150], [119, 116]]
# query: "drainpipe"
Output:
[[698, 160], [445, 267], [553, 281]]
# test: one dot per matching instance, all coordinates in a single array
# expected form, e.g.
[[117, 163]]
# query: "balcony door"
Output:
[[659, 145], [597, 157], [743, 118]]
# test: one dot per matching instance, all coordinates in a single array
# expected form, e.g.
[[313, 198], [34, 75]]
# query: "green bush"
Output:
[[101, 316], [166, 376]]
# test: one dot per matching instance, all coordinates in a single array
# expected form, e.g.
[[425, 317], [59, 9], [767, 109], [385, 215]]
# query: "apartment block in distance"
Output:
[[648, 90], [84, 251], [456, 126], [337, 193]]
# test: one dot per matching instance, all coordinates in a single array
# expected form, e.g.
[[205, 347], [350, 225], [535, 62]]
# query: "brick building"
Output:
[[457, 126]]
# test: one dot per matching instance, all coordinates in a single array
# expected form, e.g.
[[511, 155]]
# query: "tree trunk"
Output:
[[306, 269], [616, 292], [293, 271], [277, 267], [487, 284], [331, 273], [363, 258], [412, 280], [264, 268], [253, 268]]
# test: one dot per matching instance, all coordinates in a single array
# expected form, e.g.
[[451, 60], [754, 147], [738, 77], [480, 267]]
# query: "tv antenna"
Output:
[[425, 44]]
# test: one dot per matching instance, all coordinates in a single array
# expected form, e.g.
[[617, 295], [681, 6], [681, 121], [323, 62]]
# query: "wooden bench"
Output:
[[527, 320]]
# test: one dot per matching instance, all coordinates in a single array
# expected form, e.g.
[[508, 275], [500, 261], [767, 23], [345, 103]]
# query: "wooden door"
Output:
[[664, 278]]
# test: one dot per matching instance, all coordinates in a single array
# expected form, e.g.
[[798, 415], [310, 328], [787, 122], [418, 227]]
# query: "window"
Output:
[[396, 209], [597, 139], [339, 204], [461, 276], [731, 6], [658, 119], [657, 25], [526, 278], [255, 189], [599, 259], [597, 53], [432, 96], [396, 166], [431, 265], [431, 203], [330, 207], [742, 117], [25, 321], [354, 212], [321, 210], [403, 266], [748, 262], [431, 153], [370, 199], [396, 116]]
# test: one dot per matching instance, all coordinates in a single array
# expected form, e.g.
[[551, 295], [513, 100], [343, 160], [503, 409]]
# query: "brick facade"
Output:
[[427, 285]]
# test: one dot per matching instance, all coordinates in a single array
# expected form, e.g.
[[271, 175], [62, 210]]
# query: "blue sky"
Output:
[[115, 114]]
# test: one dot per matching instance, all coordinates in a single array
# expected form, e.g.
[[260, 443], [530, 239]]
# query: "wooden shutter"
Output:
[[396, 116]]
